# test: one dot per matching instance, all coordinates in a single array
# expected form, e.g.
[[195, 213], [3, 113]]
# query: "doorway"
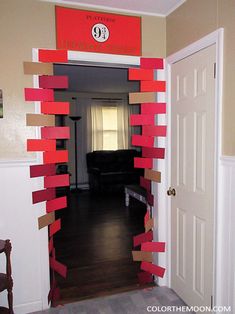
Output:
[[97, 229]]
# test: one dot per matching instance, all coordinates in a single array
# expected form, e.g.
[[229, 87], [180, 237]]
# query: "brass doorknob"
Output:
[[171, 191]]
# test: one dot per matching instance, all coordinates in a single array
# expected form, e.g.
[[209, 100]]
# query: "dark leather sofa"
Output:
[[112, 170]]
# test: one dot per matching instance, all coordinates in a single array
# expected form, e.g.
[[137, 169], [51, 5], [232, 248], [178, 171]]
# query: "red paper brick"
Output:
[[153, 246], [141, 119], [153, 152], [141, 74], [55, 157], [43, 195], [144, 277], [143, 237], [58, 267], [38, 94], [45, 55], [51, 245], [145, 183], [52, 107], [150, 198], [153, 269], [60, 132], [54, 227], [154, 130], [52, 81], [55, 204], [140, 140], [42, 170], [56, 181], [40, 145], [152, 86], [146, 163], [151, 63], [153, 108], [146, 216]]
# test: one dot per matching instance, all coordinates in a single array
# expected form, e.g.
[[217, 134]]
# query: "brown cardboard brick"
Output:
[[46, 220], [40, 120], [38, 68], [152, 175], [149, 225], [140, 256], [141, 98]]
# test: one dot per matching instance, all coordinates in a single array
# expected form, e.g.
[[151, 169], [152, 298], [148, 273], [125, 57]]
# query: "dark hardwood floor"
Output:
[[95, 243]]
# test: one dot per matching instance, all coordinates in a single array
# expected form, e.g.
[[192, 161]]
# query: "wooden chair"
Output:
[[6, 282]]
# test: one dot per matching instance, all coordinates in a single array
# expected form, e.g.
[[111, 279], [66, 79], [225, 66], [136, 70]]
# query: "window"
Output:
[[110, 128], [109, 124]]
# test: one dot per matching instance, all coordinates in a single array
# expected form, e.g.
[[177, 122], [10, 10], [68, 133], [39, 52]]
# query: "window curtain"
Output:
[[96, 126], [96, 122]]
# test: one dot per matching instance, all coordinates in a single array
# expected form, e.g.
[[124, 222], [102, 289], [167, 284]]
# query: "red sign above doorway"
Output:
[[97, 32]]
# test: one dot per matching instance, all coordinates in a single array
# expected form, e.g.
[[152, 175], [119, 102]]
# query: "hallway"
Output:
[[95, 242]]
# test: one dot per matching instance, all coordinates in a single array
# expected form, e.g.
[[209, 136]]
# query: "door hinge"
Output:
[[214, 70]]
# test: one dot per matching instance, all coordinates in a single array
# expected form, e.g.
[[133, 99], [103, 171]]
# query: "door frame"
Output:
[[76, 58], [217, 38]]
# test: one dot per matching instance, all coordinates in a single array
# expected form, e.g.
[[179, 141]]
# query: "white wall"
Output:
[[18, 222]]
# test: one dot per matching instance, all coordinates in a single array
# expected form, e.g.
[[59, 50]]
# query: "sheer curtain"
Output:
[[96, 122]]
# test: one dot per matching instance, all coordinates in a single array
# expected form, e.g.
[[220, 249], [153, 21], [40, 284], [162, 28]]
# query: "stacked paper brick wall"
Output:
[[47, 82], [149, 108]]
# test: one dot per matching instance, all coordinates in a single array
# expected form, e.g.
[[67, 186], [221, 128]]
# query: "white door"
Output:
[[192, 175]]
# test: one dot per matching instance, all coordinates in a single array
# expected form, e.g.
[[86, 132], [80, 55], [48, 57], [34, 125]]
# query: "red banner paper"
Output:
[[55, 107], [54, 227], [56, 181], [58, 267], [140, 74], [41, 145], [154, 130], [153, 269], [144, 277], [38, 94], [153, 152], [43, 195], [51, 81], [153, 246], [55, 157], [141, 119], [55, 204], [98, 32], [153, 108], [140, 140], [42, 170], [152, 86], [151, 63], [143, 163], [145, 183], [143, 237], [59, 132], [45, 55]]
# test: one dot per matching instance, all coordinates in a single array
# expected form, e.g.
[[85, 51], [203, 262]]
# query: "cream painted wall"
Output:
[[23, 25], [30, 24], [190, 22]]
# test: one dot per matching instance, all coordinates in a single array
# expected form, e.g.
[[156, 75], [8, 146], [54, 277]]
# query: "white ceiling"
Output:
[[145, 7]]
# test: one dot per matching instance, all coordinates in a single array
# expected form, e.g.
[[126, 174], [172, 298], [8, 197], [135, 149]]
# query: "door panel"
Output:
[[192, 155]]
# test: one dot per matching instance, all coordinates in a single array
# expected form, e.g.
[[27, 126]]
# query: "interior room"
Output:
[[177, 248]]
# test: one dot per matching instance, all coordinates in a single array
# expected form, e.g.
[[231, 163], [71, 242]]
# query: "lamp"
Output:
[[75, 119]]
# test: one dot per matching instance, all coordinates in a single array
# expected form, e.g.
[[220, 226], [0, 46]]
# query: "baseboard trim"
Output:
[[28, 307]]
